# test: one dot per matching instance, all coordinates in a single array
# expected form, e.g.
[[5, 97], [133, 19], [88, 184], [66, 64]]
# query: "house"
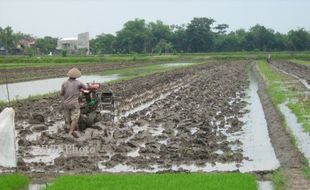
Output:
[[74, 44]]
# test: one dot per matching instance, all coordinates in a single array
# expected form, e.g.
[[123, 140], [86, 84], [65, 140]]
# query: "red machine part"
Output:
[[94, 86], [91, 87]]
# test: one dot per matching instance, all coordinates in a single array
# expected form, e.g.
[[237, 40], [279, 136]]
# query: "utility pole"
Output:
[[7, 85]]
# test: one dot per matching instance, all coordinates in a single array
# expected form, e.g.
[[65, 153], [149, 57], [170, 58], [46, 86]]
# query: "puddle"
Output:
[[264, 185], [302, 138], [125, 168], [177, 64], [194, 130], [157, 131], [22, 90], [255, 144], [45, 155], [137, 129], [134, 153], [303, 81], [53, 129], [34, 136], [165, 142], [36, 186]]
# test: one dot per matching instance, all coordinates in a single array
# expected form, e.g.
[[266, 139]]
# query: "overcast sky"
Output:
[[67, 18]]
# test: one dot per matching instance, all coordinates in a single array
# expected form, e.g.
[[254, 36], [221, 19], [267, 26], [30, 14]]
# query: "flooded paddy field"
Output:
[[190, 119], [203, 118], [299, 71]]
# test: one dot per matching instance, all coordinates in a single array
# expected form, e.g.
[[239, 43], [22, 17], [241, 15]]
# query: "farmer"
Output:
[[70, 90], [269, 58]]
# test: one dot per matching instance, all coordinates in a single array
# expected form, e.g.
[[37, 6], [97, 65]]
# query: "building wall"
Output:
[[73, 45], [83, 40]]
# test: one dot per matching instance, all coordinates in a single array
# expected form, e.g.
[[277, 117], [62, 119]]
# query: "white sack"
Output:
[[7, 138]]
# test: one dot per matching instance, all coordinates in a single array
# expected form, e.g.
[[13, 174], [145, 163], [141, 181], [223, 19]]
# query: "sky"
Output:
[[67, 18]]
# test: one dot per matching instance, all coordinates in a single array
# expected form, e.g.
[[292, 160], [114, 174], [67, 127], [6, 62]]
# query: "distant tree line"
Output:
[[200, 35], [20, 43]]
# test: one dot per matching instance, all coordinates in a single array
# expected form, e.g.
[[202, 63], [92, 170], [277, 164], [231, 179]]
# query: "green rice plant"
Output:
[[180, 181], [13, 182]]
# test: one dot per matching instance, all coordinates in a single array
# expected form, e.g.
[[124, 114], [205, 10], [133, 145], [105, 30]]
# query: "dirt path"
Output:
[[288, 155]]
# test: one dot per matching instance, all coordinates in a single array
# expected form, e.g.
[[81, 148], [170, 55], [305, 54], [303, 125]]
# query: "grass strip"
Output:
[[13, 182], [278, 180], [303, 62], [24, 61], [134, 72], [280, 91], [192, 181]]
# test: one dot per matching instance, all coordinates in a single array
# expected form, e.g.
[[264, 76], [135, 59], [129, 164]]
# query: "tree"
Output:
[[259, 38], [46, 45], [163, 47], [157, 31], [132, 37], [103, 44], [229, 42], [299, 40], [7, 39], [178, 38], [221, 28], [200, 38]]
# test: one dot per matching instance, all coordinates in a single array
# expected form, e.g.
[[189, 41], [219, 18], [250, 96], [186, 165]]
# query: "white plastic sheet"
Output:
[[7, 138]]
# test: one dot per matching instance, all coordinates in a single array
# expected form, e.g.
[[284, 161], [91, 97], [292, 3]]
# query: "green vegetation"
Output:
[[302, 110], [137, 36], [13, 62], [134, 72], [300, 61], [307, 169], [193, 181], [278, 180], [13, 182], [280, 91]]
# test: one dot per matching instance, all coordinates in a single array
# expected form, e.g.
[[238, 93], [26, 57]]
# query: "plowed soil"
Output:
[[188, 126]]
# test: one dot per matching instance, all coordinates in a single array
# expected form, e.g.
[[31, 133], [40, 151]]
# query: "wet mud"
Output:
[[299, 70], [189, 126], [35, 73], [291, 160]]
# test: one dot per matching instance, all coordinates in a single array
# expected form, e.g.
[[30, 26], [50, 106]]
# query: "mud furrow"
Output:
[[189, 126], [290, 158], [299, 71]]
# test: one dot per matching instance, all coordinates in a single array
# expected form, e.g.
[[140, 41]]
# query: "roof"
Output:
[[69, 39]]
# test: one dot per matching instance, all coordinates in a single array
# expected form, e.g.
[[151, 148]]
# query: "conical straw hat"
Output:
[[74, 73]]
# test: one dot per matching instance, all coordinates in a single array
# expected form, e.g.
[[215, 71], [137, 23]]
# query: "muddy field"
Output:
[[34, 73], [177, 118], [299, 70]]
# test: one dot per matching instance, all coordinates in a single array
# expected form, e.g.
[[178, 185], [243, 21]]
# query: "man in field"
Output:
[[70, 90], [269, 58]]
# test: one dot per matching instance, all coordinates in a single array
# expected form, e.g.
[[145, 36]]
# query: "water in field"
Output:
[[255, 140], [302, 137], [178, 64], [36, 186], [265, 185], [22, 90]]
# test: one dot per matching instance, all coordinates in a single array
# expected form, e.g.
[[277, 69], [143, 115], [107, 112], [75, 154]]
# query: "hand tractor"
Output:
[[96, 103]]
